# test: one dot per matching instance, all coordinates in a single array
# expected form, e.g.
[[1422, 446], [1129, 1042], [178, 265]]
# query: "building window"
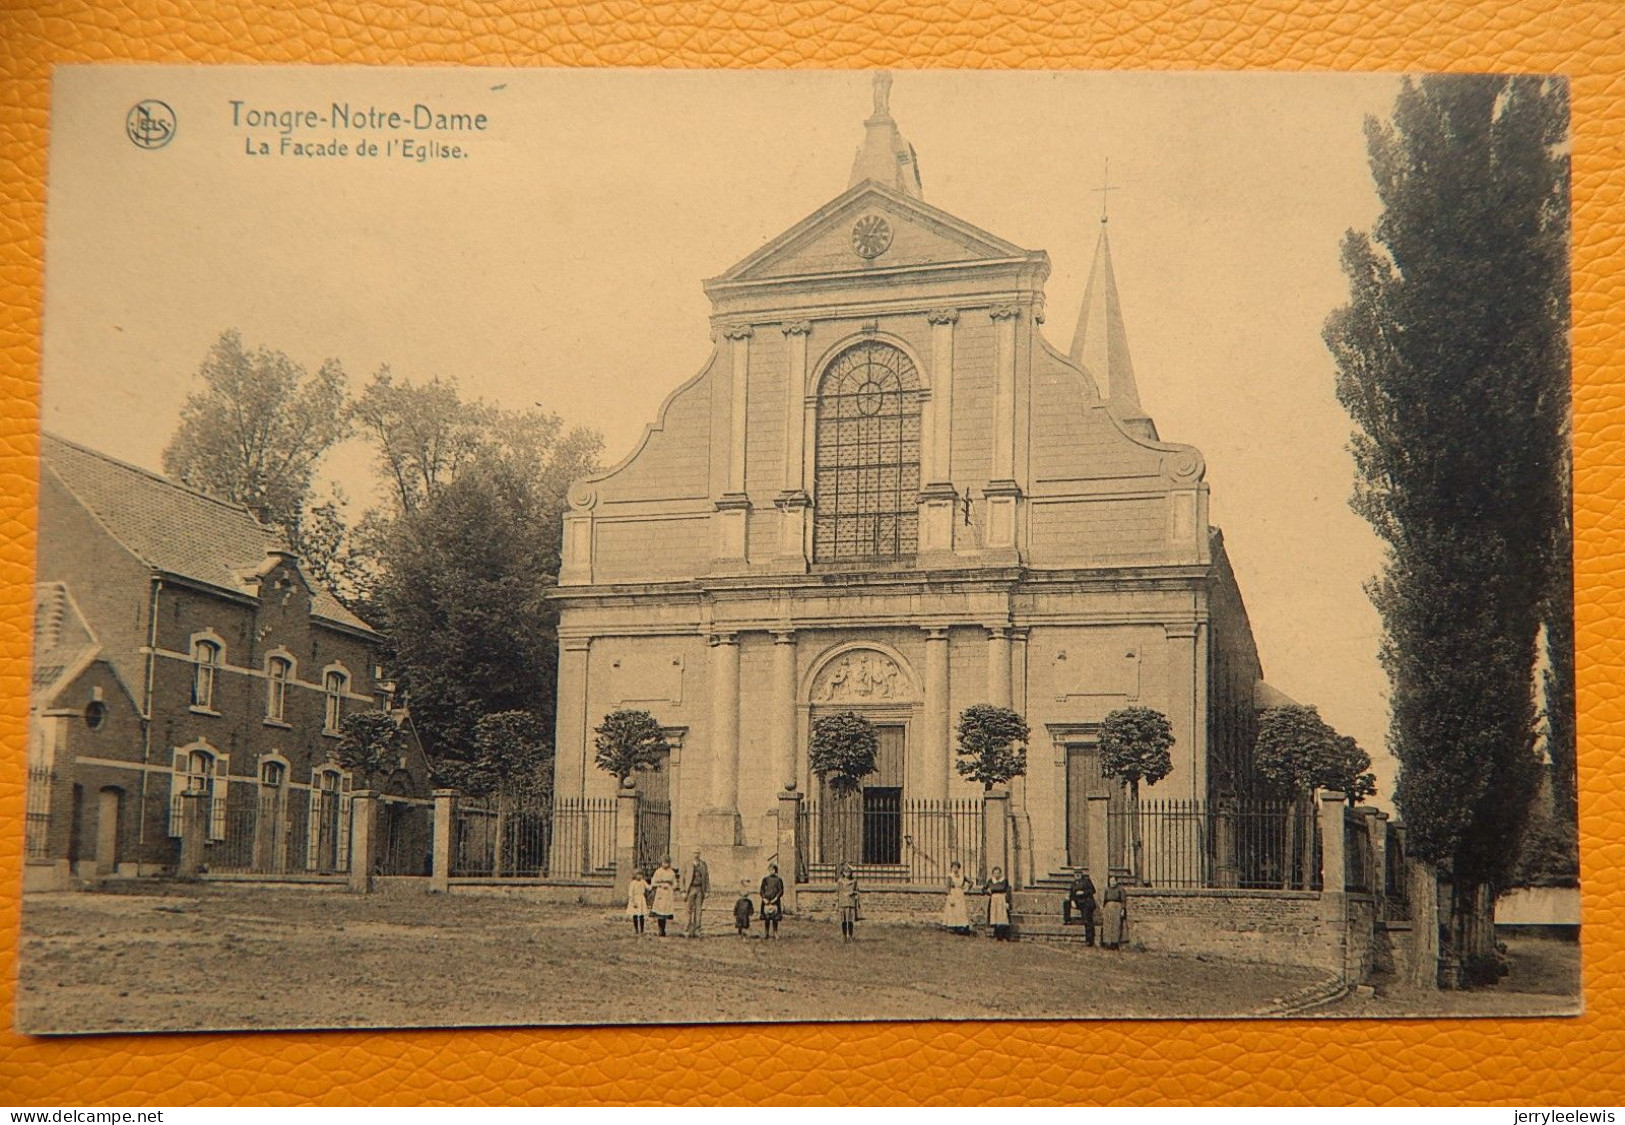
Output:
[[867, 474], [272, 774], [205, 664], [279, 671], [334, 685]]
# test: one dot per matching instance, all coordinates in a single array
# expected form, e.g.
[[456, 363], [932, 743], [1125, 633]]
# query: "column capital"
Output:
[[935, 632], [796, 327], [1004, 312], [575, 644], [1181, 631], [786, 636], [723, 637], [997, 632], [738, 331], [943, 316]]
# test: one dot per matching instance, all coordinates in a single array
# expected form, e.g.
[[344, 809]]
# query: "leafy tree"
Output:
[[463, 580], [257, 428], [1297, 751], [1453, 362], [991, 744], [842, 750], [370, 746], [629, 741], [1134, 745]]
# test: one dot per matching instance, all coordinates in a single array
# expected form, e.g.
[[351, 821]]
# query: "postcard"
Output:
[[543, 547]]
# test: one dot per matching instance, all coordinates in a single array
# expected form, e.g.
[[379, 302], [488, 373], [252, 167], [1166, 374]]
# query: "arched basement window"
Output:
[[868, 456]]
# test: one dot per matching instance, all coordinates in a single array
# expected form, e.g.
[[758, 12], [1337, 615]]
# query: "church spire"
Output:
[[885, 156], [1100, 343]]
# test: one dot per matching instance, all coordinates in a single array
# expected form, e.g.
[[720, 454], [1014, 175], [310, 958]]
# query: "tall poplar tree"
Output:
[[1453, 361]]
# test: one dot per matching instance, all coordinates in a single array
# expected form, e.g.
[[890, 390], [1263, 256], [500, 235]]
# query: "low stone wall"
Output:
[[1362, 952], [1277, 927]]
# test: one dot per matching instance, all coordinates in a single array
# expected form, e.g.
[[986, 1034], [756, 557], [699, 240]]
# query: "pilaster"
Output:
[[937, 743], [733, 506], [784, 707], [793, 502], [570, 763], [720, 824], [998, 665]]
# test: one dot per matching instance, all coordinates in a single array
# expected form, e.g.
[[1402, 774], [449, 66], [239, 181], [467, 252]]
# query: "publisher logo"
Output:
[[150, 124]]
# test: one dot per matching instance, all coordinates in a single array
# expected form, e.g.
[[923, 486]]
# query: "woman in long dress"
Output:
[[1114, 917], [955, 912], [998, 905], [664, 907]]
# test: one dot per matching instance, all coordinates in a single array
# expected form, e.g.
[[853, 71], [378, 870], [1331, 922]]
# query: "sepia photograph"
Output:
[[573, 547]]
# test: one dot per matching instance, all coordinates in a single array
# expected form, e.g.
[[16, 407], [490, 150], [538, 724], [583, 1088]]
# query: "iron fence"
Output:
[[405, 837], [887, 839], [37, 817], [1358, 862], [653, 834], [496, 838], [1272, 845], [583, 838], [234, 852], [1255, 845], [1396, 886]]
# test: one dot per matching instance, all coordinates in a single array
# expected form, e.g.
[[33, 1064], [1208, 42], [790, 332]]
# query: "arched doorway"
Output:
[[865, 827]]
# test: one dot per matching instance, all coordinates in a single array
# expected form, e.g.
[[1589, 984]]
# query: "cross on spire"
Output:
[[1105, 186]]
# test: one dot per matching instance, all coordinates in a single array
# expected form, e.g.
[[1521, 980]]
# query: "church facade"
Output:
[[887, 492]]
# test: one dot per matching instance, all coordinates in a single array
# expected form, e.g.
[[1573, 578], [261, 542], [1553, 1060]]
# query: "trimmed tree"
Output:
[[1453, 362], [1297, 752], [842, 753], [1134, 745], [991, 744], [629, 742]]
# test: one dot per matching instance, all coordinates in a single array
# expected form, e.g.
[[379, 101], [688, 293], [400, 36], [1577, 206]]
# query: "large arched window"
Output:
[[868, 456]]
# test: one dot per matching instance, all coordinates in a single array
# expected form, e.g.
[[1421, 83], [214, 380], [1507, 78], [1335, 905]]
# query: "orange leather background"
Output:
[[1536, 1061]]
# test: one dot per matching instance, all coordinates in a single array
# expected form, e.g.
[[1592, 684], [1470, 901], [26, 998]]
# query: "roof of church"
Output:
[[175, 529], [885, 157], [1100, 342]]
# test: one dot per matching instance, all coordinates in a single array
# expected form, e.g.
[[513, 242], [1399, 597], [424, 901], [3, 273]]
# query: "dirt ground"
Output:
[[213, 957], [1544, 981]]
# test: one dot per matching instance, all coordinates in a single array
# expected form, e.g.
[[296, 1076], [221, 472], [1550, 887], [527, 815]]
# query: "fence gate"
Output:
[[654, 833]]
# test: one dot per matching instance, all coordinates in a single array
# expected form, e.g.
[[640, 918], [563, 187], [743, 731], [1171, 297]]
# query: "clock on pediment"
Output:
[[871, 236]]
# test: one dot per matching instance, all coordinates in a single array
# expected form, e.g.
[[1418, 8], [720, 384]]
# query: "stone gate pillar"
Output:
[[790, 845], [445, 804], [363, 806]]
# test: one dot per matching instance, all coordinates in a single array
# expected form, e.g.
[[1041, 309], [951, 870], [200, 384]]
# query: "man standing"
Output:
[[699, 885]]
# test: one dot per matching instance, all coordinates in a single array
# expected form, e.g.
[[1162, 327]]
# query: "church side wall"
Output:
[[1234, 673]]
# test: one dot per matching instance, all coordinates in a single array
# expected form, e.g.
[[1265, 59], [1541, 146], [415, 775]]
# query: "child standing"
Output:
[[846, 900], [743, 909], [637, 901], [772, 901]]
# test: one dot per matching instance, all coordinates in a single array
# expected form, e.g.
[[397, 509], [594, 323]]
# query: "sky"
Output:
[[558, 260]]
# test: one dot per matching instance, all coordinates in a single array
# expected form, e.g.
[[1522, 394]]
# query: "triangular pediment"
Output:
[[915, 234]]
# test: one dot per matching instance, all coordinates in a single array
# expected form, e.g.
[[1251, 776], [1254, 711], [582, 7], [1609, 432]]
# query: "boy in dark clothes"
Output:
[[744, 908]]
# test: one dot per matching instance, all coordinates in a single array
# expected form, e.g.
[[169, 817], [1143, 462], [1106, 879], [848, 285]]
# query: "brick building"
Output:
[[179, 645], [887, 492]]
